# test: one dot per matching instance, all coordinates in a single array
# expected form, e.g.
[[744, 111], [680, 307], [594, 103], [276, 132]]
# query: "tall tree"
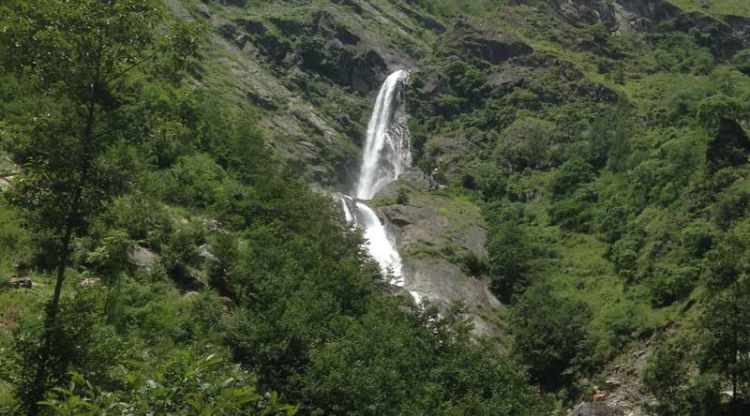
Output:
[[550, 335], [75, 61], [726, 325]]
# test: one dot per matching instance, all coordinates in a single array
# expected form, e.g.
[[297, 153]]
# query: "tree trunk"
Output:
[[71, 222], [735, 338]]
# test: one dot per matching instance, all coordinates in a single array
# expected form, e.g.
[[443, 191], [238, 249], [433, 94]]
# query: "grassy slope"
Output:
[[725, 7]]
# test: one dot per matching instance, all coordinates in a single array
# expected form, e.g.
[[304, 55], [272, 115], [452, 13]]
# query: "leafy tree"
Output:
[[528, 142], [390, 364], [569, 176], [742, 60], [550, 336], [509, 254], [677, 52], [714, 109], [575, 212], [77, 61], [667, 376], [726, 340], [183, 384]]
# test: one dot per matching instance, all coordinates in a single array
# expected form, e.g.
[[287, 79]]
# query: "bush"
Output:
[[403, 197], [697, 237], [550, 336], [509, 254], [667, 376], [473, 264], [742, 60], [677, 52], [194, 181], [575, 213], [570, 176], [142, 216], [528, 142], [183, 384]]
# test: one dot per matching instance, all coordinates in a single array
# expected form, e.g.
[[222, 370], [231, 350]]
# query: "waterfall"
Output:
[[380, 246], [386, 154], [387, 148], [345, 200]]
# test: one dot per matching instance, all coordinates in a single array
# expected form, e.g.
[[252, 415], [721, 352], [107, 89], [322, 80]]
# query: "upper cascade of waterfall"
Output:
[[387, 151]]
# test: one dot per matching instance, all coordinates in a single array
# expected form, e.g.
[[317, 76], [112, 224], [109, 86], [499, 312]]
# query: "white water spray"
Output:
[[380, 247], [386, 154], [387, 148], [347, 213]]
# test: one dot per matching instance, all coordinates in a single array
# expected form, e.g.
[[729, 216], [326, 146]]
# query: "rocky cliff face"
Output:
[[436, 235], [726, 34]]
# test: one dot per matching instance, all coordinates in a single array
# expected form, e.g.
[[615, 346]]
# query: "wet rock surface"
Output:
[[434, 233]]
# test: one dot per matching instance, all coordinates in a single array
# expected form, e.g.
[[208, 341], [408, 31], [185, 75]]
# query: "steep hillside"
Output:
[[588, 134], [578, 202]]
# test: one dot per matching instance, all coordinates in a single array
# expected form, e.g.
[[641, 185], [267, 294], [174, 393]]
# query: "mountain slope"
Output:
[[577, 202], [584, 128]]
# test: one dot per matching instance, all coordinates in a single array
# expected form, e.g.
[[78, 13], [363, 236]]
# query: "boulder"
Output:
[[5, 182], [205, 252], [508, 78], [595, 409], [612, 383], [434, 234], [620, 16], [90, 281], [143, 258], [226, 303], [20, 282], [203, 10], [724, 36]]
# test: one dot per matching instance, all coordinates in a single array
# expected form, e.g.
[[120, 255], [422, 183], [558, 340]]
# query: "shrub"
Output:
[[402, 197], [508, 262], [570, 176], [528, 142], [550, 335], [742, 60], [183, 384], [194, 181]]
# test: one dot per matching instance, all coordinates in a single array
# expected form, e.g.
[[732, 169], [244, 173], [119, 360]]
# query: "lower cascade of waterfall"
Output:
[[378, 241], [386, 155]]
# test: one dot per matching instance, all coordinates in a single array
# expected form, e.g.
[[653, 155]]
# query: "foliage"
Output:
[[678, 52], [528, 142], [508, 262], [550, 336], [667, 377], [183, 384], [726, 338], [611, 171], [436, 370]]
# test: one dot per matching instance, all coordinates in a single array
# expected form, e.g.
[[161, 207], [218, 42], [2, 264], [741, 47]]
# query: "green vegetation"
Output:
[[155, 176], [610, 196], [178, 267], [730, 7]]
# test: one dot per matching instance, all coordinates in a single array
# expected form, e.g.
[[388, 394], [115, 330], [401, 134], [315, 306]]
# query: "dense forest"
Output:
[[169, 244]]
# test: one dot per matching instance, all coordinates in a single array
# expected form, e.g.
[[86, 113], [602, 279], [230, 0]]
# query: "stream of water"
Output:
[[386, 155]]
